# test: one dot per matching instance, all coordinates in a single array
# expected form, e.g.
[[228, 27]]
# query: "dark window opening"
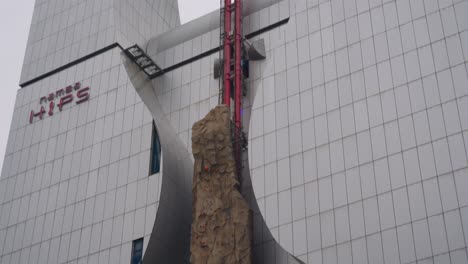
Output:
[[137, 251], [245, 68], [155, 159]]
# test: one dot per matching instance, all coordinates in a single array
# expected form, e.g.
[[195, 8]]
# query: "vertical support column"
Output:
[[227, 52], [238, 66], [238, 88]]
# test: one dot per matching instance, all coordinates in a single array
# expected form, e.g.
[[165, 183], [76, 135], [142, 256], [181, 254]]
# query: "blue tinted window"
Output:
[[137, 251], [155, 160]]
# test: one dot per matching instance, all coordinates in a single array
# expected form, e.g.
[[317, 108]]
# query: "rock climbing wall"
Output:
[[221, 218]]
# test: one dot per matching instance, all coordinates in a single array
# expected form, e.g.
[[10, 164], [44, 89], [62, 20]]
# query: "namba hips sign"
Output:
[[64, 96]]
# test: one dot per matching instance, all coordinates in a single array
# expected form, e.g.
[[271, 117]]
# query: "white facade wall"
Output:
[[64, 31], [357, 127], [75, 186], [358, 138], [358, 135]]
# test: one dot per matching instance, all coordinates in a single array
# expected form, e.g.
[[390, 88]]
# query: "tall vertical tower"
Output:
[[76, 184], [65, 31]]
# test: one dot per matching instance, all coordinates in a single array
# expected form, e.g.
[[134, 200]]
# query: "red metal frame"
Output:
[[238, 66], [227, 52]]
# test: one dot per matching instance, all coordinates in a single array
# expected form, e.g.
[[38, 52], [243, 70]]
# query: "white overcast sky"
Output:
[[15, 19]]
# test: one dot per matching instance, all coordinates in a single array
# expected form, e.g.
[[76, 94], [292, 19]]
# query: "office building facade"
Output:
[[357, 125]]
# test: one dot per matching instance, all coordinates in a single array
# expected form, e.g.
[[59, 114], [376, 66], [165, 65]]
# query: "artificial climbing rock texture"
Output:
[[221, 218]]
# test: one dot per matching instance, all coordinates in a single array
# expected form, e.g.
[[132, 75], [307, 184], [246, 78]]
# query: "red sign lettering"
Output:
[[65, 100], [39, 114], [83, 95], [66, 97], [51, 108]]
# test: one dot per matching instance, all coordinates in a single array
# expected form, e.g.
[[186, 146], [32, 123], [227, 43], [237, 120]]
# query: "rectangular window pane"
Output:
[[155, 160], [137, 251]]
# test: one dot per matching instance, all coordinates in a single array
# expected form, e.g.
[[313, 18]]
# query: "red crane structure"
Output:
[[227, 51], [238, 66], [232, 81]]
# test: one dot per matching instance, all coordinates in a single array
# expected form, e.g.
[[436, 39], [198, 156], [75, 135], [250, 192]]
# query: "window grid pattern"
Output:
[[75, 185], [64, 31], [354, 137], [358, 132]]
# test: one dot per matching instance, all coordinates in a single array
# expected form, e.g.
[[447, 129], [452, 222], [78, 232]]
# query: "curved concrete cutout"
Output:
[[281, 255], [177, 163], [170, 238]]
